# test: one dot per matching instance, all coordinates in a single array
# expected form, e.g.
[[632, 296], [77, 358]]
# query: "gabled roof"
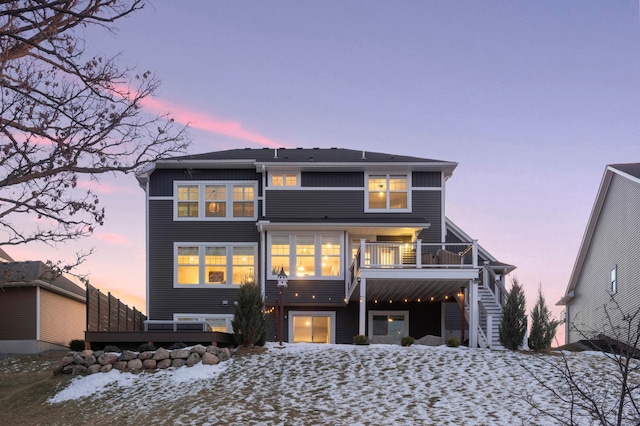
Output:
[[36, 273], [321, 159], [629, 171]]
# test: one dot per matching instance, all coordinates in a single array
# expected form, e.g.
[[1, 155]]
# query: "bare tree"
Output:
[[65, 114], [607, 394]]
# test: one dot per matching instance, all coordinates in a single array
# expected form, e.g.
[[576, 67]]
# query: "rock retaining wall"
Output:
[[90, 362]]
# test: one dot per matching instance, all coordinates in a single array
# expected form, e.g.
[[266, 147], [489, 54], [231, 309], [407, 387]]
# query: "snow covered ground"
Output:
[[304, 384]]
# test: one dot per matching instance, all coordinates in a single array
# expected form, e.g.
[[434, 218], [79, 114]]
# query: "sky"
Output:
[[531, 99]]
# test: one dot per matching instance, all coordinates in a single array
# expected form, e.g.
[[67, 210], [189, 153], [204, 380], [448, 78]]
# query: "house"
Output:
[[362, 237], [38, 311], [608, 261]]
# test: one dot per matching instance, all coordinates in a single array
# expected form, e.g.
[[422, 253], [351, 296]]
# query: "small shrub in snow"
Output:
[[177, 345], [76, 345], [452, 342], [360, 340], [112, 348], [146, 347], [407, 341], [250, 327]]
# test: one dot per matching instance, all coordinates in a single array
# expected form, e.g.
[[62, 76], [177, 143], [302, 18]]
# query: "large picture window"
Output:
[[388, 192], [306, 255], [215, 200], [214, 264]]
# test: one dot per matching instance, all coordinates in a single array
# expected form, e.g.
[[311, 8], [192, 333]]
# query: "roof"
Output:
[[36, 273], [300, 159], [4, 257], [630, 171]]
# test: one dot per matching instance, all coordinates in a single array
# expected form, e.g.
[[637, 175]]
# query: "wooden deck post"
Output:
[[473, 314], [363, 307]]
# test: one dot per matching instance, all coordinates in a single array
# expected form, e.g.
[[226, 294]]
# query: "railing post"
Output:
[[490, 330], [419, 253], [475, 254], [363, 249], [473, 314], [363, 307]]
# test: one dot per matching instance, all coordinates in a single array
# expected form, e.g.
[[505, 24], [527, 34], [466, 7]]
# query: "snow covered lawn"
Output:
[[334, 384]]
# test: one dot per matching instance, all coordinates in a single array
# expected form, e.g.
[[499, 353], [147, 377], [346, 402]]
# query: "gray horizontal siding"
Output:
[[426, 179], [329, 292], [614, 242], [164, 299], [310, 204], [428, 204], [326, 179], [161, 181]]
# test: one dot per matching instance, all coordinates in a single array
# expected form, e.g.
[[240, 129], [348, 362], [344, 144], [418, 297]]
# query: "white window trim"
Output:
[[281, 187], [613, 282], [387, 210], [201, 264], [318, 255], [330, 314], [403, 313], [204, 317], [201, 200]]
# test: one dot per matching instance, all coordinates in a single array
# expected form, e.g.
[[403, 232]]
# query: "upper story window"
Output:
[[216, 264], [215, 200], [306, 255], [283, 179], [613, 284], [388, 192]]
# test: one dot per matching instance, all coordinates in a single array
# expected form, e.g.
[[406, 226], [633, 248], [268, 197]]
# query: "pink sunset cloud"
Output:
[[116, 239], [202, 121], [99, 187]]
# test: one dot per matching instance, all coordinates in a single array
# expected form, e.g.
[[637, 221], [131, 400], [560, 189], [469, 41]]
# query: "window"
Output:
[[388, 326], [214, 265], [613, 285], [388, 192], [306, 255], [284, 179], [312, 326], [215, 201]]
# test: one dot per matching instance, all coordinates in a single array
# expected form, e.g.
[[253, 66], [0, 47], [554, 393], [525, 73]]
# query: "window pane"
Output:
[[321, 331], [187, 200], [330, 256], [380, 325], [215, 200], [188, 255], [290, 180], [243, 201], [279, 254], [398, 200], [377, 191], [243, 265], [216, 265], [188, 274], [277, 180], [302, 329], [188, 192], [305, 255], [398, 183]]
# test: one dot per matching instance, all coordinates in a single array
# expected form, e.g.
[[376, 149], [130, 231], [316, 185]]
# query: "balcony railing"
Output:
[[398, 255]]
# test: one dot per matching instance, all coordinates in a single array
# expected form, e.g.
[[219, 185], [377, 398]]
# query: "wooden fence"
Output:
[[108, 313]]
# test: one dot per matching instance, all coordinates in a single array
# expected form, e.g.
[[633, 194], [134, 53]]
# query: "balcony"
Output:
[[417, 270]]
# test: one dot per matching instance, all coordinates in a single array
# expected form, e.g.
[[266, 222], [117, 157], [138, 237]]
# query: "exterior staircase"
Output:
[[489, 307]]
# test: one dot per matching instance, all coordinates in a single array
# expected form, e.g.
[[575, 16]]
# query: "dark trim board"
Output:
[[132, 339]]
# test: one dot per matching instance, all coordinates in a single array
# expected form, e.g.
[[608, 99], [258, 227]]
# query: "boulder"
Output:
[[89, 360], [94, 368], [145, 355], [198, 349], [77, 359], [120, 365], [98, 354], [429, 340], [161, 354], [163, 363], [224, 354], [134, 365], [108, 358], [127, 355], [67, 360], [178, 362], [193, 359], [78, 370], [210, 359], [150, 364], [86, 353], [67, 369], [106, 368], [180, 353]]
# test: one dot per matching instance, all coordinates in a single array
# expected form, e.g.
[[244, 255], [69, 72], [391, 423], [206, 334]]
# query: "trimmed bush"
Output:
[[452, 342], [360, 340], [111, 348], [76, 345], [146, 347], [407, 341]]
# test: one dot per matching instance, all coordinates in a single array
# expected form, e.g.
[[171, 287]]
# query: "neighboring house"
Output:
[[36, 312], [362, 236], [608, 262]]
